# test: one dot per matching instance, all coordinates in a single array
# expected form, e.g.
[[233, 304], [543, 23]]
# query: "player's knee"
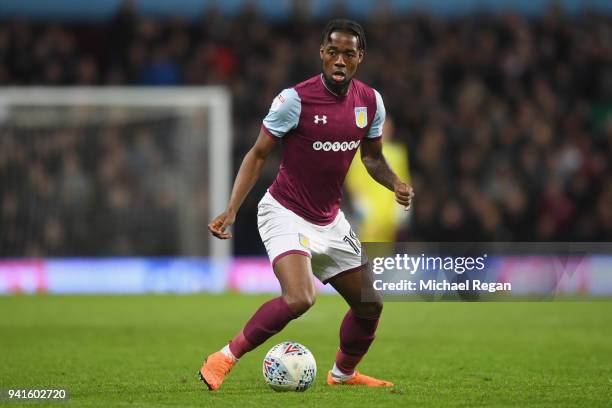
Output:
[[300, 303], [371, 309]]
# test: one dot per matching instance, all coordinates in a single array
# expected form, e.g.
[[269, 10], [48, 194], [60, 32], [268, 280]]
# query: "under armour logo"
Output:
[[322, 118]]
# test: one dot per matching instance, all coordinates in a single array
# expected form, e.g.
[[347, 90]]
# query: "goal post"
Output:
[[197, 125]]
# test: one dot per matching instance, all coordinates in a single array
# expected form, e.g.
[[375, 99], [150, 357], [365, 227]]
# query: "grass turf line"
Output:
[[144, 351]]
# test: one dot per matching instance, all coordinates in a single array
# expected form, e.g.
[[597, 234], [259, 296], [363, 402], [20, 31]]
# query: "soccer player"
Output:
[[320, 123]]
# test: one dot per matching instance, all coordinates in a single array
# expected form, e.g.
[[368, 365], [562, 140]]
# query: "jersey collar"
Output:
[[333, 93]]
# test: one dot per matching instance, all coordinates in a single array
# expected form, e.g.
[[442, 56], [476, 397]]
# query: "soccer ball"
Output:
[[289, 366]]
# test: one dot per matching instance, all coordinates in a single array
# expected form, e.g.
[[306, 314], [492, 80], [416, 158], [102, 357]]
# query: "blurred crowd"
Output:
[[88, 190], [507, 120]]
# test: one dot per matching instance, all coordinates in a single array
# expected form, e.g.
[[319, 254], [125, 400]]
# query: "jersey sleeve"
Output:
[[379, 118], [284, 113]]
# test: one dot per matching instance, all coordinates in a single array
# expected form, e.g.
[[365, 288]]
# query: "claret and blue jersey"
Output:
[[321, 132]]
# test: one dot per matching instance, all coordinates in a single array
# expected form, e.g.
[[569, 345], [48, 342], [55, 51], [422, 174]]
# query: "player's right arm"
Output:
[[248, 174], [283, 116]]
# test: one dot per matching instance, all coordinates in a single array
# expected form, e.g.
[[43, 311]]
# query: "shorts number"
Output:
[[353, 242]]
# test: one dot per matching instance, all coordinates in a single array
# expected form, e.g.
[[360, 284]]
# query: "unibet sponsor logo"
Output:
[[335, 146]]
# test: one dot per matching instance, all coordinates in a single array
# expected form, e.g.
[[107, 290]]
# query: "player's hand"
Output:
[[218, 226], [403, 195]]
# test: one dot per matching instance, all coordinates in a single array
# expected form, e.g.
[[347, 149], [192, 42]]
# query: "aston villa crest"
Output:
[[304, 241], [361, 116]]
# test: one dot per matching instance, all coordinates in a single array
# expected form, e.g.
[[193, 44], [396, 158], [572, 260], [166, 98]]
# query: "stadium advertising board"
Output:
[[536, 277]]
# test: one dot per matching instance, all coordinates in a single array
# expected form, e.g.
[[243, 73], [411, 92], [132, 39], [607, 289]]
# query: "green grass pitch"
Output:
[[144, 351]]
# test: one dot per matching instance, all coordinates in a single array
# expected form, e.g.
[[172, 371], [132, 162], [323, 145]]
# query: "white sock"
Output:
[[339, 375], [226, 350]]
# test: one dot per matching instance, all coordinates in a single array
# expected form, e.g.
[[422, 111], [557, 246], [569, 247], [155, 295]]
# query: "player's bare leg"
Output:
[[298, 295], [356, 332]]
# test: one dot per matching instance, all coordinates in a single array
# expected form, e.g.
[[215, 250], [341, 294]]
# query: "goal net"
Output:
[[113, 171]]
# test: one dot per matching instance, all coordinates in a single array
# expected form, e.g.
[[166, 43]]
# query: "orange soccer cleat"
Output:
[[359, 379], [215, 368]]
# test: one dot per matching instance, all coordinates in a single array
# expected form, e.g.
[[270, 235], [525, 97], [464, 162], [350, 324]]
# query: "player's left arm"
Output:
[[378, 168], [374, 161]]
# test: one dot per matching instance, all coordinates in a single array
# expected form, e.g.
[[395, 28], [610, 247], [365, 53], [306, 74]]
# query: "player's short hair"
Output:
[[345, 26]]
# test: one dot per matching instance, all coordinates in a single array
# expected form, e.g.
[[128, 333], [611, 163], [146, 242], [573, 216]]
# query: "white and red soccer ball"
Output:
[[289, 366]]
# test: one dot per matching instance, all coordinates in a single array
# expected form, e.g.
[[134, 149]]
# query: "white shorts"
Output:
[[333, 248]]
